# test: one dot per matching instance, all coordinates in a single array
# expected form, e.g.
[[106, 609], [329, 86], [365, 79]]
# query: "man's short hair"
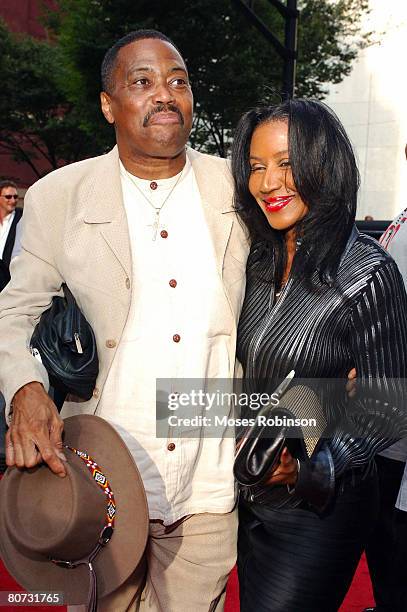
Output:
[[5, 183], [109, 61]]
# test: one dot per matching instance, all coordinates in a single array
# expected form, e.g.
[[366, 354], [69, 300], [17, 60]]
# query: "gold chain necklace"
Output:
[[157, 209]]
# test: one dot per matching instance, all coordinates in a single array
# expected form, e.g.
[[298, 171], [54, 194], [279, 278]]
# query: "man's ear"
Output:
[[106, 106]]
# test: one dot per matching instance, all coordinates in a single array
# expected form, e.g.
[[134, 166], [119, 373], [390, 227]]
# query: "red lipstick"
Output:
[[274, 204]]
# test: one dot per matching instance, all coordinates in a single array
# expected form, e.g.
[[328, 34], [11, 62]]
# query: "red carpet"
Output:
[[359, 596], [8, 584]]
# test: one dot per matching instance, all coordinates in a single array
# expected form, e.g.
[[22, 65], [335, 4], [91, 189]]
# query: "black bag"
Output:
[[67, 346], [260, 450]]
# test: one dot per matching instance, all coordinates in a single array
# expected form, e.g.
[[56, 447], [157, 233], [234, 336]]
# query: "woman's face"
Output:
[[271, 182]]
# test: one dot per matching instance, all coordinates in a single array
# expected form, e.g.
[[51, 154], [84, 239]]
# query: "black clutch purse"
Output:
[[259, 452], [67, 348]]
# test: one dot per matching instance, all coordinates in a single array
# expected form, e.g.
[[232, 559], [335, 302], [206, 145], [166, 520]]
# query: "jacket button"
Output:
[[171, 446], [164, 234], [127, 283], [110, 343], [96, 392], [173, 283], [176, 337]]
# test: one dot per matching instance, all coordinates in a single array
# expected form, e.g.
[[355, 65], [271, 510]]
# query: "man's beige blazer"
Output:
[[75, 231]]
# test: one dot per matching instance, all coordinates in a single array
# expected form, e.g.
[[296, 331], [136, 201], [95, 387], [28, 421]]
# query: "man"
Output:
[[148, 242], [387, 549], [9, 247], [9, 218]]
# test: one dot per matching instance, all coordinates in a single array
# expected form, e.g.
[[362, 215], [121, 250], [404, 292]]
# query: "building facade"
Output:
[[372, 104]]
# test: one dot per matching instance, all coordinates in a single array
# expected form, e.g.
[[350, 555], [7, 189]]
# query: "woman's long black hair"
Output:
[[325, 175]]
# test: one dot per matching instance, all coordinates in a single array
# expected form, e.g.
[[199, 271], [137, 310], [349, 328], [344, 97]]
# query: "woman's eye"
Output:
[[256, 168], [285, 163]]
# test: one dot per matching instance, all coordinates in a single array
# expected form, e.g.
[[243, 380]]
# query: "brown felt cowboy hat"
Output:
[[98, 512]]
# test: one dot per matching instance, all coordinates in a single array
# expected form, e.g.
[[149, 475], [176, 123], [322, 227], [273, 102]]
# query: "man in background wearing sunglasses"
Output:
[[9, 218], [9, 246]]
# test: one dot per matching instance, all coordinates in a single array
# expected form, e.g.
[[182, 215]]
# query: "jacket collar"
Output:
[[104, 204], [216, 197], [104, 198], [351, 240], [106, 190], [208, 185]]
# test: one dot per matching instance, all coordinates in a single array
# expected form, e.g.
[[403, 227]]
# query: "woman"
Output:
[[320, 299]]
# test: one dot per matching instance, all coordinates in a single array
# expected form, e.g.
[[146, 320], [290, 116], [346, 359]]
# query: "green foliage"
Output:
[[232, 67], [38, 126], [329, 39], [51, 107]]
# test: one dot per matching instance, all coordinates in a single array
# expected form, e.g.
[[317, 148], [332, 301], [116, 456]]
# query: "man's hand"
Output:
[[35, 431], [287, 470]]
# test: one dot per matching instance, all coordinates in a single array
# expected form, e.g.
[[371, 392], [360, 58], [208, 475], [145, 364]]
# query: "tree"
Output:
[[232, 67], [329, 39], [38, 125]]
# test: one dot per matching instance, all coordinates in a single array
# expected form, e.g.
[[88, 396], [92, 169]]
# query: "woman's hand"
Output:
[[287, 470], [351, 384]]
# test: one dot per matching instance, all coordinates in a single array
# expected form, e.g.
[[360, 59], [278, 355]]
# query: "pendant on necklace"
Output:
[[153, 185], [155, 225]]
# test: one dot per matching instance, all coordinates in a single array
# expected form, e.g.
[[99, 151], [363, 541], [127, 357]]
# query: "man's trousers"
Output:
[[185, 568]]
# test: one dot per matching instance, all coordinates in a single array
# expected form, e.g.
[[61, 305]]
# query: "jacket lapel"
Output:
[[104, 206], [217, 206]]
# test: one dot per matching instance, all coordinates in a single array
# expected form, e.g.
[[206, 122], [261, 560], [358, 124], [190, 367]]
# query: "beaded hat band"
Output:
[[106, 533]]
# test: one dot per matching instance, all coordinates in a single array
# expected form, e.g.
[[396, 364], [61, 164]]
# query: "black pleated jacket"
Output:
[[322, 332]]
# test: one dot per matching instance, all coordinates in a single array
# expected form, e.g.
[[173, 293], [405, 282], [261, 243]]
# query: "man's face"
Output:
[[151, 103], [8, 200]]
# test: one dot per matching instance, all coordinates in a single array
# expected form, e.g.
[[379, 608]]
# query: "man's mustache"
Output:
[[163, 108]]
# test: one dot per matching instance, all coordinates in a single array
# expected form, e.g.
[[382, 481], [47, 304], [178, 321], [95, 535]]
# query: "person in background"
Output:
[[386, 551], [9, 247], [10, 216]]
